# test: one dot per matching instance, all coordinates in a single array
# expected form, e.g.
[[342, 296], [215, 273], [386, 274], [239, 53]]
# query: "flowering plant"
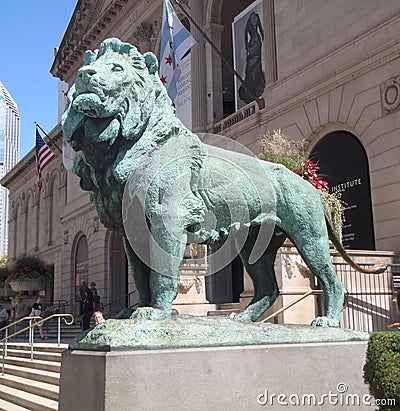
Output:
[[308, 170], [277, 148], [28, 268]]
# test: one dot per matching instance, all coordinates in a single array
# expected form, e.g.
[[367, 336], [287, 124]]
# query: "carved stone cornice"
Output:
[[85, 32], [143, 32]]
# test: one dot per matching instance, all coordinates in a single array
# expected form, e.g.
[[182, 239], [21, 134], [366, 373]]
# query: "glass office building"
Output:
[[9, 155]]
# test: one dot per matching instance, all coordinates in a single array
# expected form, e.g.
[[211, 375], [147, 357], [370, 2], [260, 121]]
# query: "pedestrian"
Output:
[[81, 295], [87, 307], [3, 319], [99, 317], [3, 316], [95, 295], [36, 311]]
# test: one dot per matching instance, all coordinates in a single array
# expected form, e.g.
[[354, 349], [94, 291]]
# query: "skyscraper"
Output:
[[9, 156]]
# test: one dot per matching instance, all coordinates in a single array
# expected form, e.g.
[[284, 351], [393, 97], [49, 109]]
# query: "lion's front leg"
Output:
[[167, 247]]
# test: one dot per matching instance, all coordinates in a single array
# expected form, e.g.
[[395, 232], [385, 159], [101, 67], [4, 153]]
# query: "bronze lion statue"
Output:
[[161, 187]]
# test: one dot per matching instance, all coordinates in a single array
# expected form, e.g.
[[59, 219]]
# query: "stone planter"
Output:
[[27, 285]]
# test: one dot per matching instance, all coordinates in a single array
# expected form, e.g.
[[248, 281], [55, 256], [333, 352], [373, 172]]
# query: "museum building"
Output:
[[327, 73]]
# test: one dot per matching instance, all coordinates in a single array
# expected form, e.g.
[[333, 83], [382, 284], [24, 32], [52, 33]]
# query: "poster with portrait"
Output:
[[248, 53]]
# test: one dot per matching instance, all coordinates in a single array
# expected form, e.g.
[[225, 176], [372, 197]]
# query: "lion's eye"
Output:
[[117, 67]]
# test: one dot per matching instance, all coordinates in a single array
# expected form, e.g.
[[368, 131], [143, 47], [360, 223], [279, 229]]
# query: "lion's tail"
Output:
[[376, 269]]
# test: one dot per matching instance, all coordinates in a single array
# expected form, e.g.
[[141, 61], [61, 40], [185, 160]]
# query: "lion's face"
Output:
[[102, 87], [113, 96]]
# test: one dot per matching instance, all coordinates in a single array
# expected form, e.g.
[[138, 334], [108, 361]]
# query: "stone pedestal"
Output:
[[322, 376]]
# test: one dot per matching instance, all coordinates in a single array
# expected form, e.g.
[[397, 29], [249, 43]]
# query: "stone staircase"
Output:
[[34, 384], [31, 384], [225, 309]]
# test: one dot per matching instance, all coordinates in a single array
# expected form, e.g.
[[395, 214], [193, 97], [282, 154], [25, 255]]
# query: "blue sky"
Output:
[[29, 31]]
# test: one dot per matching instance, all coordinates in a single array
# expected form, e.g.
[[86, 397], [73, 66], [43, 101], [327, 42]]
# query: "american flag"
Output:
[[44, 155]]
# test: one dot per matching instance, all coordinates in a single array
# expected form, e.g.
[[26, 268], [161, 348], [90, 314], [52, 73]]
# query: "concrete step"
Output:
[[225, 309], [43, 347], [221, 312], [8, 406], [228, 306], [31, 384], [52, 366], [31, 401], [32, 373], [43, 389], [37, 355]]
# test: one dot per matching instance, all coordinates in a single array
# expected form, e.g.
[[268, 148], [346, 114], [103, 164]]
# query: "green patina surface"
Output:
[[184, 331], [159, 186]]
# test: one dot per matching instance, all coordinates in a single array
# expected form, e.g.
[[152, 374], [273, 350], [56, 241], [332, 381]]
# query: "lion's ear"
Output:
[[151, 62], [89, 57]]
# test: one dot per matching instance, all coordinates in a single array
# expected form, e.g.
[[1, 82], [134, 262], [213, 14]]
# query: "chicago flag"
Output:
[[175, 42]]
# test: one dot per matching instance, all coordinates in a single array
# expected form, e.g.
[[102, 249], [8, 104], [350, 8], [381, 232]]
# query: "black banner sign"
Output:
[[344, 165]]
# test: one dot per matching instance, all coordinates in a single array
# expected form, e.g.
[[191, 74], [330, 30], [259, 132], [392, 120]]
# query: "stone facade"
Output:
[[329, 67]]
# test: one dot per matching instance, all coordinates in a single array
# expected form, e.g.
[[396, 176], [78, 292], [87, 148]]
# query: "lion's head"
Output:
[[116, 108], [113, 96]]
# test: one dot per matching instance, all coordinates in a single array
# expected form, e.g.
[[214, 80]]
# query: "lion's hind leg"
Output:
[[316, 254], [262, 273]]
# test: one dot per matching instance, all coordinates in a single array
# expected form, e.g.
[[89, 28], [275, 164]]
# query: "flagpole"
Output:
[[260, 101], [50, 139]]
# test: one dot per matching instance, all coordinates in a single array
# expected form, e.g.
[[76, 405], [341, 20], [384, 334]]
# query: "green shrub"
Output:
[[382, 367]]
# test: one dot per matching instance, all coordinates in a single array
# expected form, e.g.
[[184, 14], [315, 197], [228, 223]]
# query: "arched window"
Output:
[[54, 211], [344, 164], [16, 234], [30, 226]]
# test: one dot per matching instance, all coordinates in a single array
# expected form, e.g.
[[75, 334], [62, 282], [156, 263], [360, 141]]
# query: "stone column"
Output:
[[271, 74], [214, 76], [248, 290], [198, 57]]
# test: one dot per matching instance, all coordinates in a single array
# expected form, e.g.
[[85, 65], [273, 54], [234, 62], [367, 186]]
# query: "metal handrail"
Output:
[[281, 310], [38, 321], [117, 299], [57, 306]]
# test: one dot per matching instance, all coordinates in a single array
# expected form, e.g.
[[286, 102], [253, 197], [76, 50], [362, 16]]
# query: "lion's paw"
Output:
[[325, 322], [150, 313]]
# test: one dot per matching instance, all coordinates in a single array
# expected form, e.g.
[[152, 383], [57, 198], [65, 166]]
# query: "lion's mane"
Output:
[[113, 124]]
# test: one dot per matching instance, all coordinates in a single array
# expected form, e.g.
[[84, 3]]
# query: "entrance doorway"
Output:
[[344, 165]]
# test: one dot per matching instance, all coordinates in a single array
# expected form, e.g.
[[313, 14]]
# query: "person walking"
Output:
[[87, 308], [36, 311], [95, 295]]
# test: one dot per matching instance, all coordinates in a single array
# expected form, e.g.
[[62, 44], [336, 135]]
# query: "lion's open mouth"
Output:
[[89, 104]]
